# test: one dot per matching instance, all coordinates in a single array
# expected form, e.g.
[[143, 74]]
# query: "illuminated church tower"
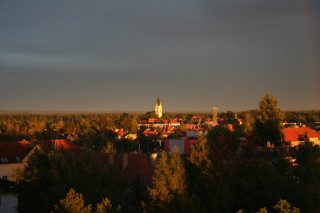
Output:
[[158, 108], [214, 116]]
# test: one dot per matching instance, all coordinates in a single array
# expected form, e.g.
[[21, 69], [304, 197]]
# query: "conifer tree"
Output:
[[169, 177], [159, 190]]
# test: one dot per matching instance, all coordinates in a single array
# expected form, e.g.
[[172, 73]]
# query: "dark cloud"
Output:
[[209, 51]]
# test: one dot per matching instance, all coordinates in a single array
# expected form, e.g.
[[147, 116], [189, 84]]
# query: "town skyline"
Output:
[[119, 56]]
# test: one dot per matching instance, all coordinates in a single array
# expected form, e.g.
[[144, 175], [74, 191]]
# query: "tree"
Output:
[[200, 156], [263, 210], [73, 203], [49, 175], [308, 174], [284, 206], [151, 114], [108, 148], [269, 122], [169, 177], [104, 207], [238, 190], [308, 159], [128, 123], [248, 124], [199, 175], [223, 145], [168, 190]]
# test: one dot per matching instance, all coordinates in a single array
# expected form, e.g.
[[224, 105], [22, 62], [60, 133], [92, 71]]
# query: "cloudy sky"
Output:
[[105, 55]]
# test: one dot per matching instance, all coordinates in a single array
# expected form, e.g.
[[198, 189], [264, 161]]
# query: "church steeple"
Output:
[[158, 108], [158, 101]]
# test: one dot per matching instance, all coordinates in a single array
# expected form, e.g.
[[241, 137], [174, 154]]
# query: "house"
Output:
[[194, 133], [159, 124], [164, 134], [294, 136], [183, 145], [120, 133], [191, 126], [149, 132], [174, 123], [131, 136], [129, 165], [13, 155], [60, 144], [144, 123]]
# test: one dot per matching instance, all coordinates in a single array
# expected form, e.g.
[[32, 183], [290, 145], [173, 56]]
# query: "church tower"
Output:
[[158, 108], [214, 116]]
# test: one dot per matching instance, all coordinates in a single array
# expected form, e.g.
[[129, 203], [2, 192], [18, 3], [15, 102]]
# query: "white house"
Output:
[[294, 136]]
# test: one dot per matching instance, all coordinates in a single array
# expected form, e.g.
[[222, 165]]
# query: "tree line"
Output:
[[215, 177], [221, 174]]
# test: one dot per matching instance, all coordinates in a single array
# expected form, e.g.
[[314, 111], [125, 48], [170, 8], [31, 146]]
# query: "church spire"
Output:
[[158, 101]]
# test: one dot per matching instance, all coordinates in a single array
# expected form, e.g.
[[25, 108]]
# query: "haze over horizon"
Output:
[[194, 54]]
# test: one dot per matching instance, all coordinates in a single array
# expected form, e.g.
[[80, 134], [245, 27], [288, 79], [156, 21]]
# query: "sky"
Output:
[[120, 55]]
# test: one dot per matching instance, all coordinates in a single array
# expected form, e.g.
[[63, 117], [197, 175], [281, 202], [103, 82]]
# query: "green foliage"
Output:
[[128, 123], [248, 124], [146, 116], [263, 210], [108, 148], [269, 109], [284, 207], [308, 174], [199, 176], [269, 122], [214, 178], [104, 207], [250, 185], [169, 177], [50, 174], [183, 127], [200, 156], [308, 159], [302, 116], [125, 145], [73, 203], [223, 145]]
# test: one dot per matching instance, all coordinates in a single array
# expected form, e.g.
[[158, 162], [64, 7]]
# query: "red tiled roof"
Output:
[[139, 165], [14, 151], [191, 126], [150, 132], [293, 134], [174, 122], [152, 120], [59, 144]]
